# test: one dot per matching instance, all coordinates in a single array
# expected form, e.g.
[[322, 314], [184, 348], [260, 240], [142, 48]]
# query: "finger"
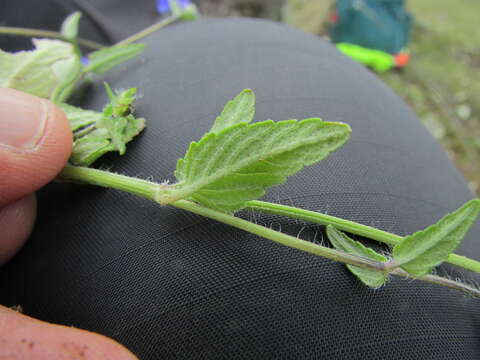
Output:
[[35, 143], [16, 222], [22, 337]]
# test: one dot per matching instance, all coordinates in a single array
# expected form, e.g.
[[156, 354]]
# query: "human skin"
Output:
[[35, 143]]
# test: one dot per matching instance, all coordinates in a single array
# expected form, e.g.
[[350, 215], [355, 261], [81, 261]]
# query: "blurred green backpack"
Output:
[[374, 32]]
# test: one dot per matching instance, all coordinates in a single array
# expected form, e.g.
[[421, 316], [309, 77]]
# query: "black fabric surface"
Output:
[[46, 15], [171, 285], [121, 18]]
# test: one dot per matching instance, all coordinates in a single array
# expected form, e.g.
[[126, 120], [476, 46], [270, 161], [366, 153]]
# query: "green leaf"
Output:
[[80, 118], [121, 103], [133, 127], [88, 149], [41, 72], [95, 138], [187, 13], [224, 170], [103, 60], [340, 241], [240, 109], [175, 8], [190, 12], [420, 252], [97, 133], [69, 27], [122, 129], [69, 73]]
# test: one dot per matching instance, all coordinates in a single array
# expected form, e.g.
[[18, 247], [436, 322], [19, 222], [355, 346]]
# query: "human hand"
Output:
[[35, 143]]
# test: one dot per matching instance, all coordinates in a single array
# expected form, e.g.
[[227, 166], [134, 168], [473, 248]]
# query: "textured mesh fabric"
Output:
[[171, 285], [44, 14], [120, 18]]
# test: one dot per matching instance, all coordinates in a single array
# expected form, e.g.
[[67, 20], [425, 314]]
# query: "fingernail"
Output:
[[23, 119]]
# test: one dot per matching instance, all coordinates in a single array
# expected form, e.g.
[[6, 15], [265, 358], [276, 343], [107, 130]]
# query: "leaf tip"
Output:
[[248, 91], [331, 230], [346, 126]]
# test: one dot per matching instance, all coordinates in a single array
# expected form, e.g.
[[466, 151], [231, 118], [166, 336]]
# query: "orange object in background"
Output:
[[402, 59]]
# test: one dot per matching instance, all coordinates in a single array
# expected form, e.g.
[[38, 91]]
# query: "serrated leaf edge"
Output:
[[404, 262], [179, 191]]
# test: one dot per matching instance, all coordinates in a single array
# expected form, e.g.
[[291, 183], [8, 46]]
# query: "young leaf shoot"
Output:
[[97, 133], [239, 110], [103, 60], [69, 28]]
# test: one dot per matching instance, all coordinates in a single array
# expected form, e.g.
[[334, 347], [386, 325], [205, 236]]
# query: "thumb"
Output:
[[35, 143], [22, 337]]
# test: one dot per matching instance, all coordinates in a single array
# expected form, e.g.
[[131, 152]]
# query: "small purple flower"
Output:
[[84, 60], [163, 6]]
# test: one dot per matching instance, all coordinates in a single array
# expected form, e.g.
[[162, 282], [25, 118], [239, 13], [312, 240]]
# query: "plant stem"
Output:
[[7, 30], [148, 189], [438, 280], [149, 30], [107, 179], [279, 237], [349, 226], [323, 219], [315, 249]]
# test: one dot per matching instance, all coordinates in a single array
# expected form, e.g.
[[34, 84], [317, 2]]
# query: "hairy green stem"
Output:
[[323, 219], [315, 249], [148, 190], [279, 237], [7, 30], [438, 280], [149, 30], [349, 226], [107, 179]]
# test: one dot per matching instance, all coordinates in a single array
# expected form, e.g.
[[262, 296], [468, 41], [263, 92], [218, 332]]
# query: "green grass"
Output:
[[442, 82]]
